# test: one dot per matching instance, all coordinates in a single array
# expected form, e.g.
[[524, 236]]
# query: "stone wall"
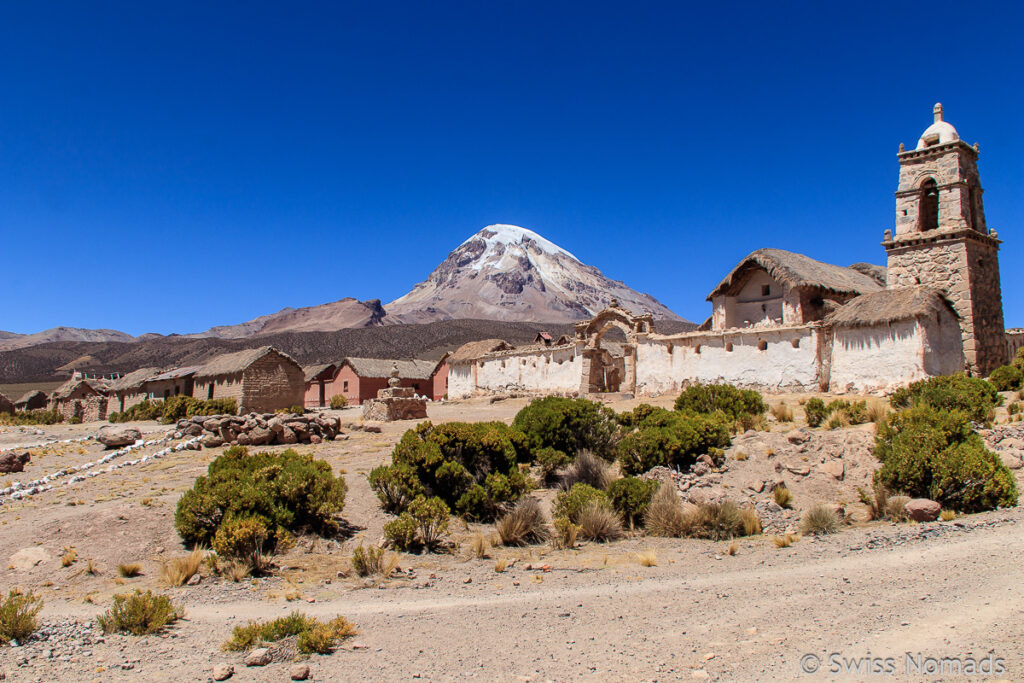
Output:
[[270, 383], [1014, 342], [222, 386], [547, 370]]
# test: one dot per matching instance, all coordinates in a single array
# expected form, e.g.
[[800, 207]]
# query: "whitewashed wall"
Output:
[[879, 358], [542, 370], [789, 360]]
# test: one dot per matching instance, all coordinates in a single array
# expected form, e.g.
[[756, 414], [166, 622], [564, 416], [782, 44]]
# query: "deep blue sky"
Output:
[[171, 166]]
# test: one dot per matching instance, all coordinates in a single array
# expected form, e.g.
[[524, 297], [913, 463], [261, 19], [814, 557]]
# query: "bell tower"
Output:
[[941, 239]]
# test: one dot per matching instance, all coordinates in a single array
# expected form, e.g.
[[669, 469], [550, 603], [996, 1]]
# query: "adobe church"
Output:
[[784, 321]]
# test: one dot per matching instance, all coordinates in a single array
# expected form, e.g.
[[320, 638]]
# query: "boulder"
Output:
[[299, 672], [1011, 461], [223, 672], [26, 558], [923, 510], [799, 469], [834, 468], [244, 439], [276, 425], [115, 436], [259, 657], [212, 441], [14, 462], [259, 436], [213, 424], [287, 436], [798, 436]]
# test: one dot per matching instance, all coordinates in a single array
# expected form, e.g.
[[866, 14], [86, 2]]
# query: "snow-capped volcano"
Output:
[[505, 272]]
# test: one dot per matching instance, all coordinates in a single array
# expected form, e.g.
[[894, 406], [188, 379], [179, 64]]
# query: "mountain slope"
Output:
[[505, 272], [343, 314], [12, 340]]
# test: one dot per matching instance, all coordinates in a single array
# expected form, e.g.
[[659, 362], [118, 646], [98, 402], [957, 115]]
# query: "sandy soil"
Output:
[[873, 590]]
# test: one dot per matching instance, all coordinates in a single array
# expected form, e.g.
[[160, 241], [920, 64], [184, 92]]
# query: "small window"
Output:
[[762, 345], [796, 343], [766, 290], [209, 391], [344, 385], [696, 349], [728, 347]]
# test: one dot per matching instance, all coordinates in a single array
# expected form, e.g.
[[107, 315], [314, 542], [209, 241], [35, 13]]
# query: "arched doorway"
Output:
[[609, 352]]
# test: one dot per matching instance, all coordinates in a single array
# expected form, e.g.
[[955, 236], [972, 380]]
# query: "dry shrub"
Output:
[[373, 561], [69, 557], [480, 546], [746, 421], [588, 469], [500, 565], [751, 522], [565, 534], [647, 558], [875, 500], [741, 456], [783, 498], [139, 614], [733, 547], [178, 570], [18, 615], [129, 570], [782, 412], [947, 515], [785, 540], [313, 636], [665, 516], [896, 508], [877, 413], [524, 525], [235, 570], [599, 523], [819, 519], [91, 568], [714, 521]]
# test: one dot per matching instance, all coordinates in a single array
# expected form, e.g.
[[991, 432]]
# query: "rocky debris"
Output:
[[257, 429], [62, 641], [115, 436], [1007, 441], [13, 462], [258, 657], [834, 468], [26, 558], [799, 436], [923, 510], [299, 672], [223, 672]]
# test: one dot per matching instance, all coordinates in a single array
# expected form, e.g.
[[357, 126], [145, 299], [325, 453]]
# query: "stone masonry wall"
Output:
[[270, 383]]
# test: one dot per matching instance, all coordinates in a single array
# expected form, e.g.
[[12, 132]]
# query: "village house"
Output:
[[127, 390], [359, 379], [176, 382], [32, 400], [6, 405], [260, 380], [784, 321], [84, 399]]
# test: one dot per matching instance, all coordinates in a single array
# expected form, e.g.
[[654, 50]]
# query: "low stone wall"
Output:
[[257, 429], [543, 370]]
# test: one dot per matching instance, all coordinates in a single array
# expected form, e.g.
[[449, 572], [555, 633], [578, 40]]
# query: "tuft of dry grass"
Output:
[[565, 533], [178, 570], [647, 558], [782, 412], [374, 561], [783, 498], [480, 546], [896, 508], [714, 521], [500, 565], [947, 515], [235, 570], [751, 522], [588, 469], [69, 557], [877, 413], [599, 523], [91, 568], [524, 525], [785, 540], [665, 516], [733, 548], [875, 500], [741, 456], [818, 520], [128, 570]]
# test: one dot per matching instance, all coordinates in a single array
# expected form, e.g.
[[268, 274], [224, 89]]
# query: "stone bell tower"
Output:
[[941, 239]]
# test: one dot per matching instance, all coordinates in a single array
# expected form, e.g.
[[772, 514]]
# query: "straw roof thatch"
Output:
[[234, 363], [797, 270], [876, 273], [68, 388], [176, 373], [889, 305], [32, 397], [380, 367], [314, 371], [473, 350], [134, 379]]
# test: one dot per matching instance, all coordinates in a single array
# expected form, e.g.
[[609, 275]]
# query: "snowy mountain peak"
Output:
[[505, 272]]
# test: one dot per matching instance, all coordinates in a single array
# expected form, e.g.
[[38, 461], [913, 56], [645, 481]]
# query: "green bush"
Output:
[[704, 399], [631, 497], [1018, 360], [972, 396], [18, 613], [338, 401], [568, 425], [146, 410], [815, 411], [243, 537], [930, 453], [422, 526], [401, 532], [291, 492], [139, 614], [1006, 378], [182, 407], [33, 417], [668, 438], [571, 503], [314, 636], [550, 460], [472, 468]]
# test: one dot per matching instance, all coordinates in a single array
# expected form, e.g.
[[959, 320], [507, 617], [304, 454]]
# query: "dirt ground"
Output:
[[874, 590]]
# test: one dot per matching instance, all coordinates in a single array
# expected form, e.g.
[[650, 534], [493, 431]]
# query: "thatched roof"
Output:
[[30, 396], [234, 363], [314, 371], [889, 305], [473, 350], [380, 367], [65, 390], [876, 273], [134, 379], [176, 373], [797, 270]]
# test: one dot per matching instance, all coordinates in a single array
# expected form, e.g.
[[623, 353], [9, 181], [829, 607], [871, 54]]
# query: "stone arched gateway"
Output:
[[601, 370]]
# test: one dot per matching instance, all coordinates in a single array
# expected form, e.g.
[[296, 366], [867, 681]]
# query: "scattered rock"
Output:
[[258, 657], [115, 436], [801, 470], [299, 672], [194, 580], [223, 672], [1011, 461], [834, 468], [923, 510], [799, 436]]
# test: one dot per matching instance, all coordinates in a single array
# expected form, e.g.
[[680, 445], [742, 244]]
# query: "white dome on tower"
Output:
[[939, 132]]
